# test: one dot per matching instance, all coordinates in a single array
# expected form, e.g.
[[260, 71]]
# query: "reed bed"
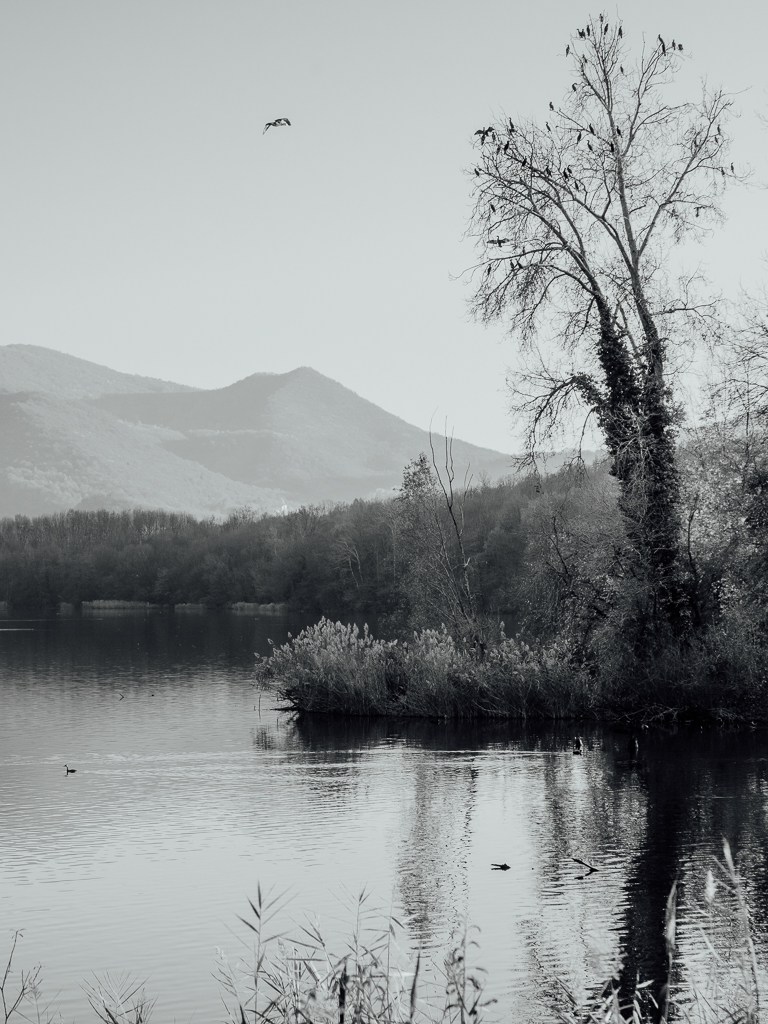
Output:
[[332, 668], [336, 669]]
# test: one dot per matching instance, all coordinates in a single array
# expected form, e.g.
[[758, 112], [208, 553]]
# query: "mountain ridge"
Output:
[[34, 368], [266, 441]]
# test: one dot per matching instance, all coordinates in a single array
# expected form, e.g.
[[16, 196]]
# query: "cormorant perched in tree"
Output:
[[547, 124], [592, 130], [679, 46], [573, 86], [589, 146], [605, 30], [551, 105], [581, 34], [567, 50], [612, 149], [588, 32], [732, 170], [618, 131], [621, 68], [663, 47], [279, 122], [621, 32]]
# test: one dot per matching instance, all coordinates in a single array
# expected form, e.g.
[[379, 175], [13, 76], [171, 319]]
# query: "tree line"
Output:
[[358, 557]]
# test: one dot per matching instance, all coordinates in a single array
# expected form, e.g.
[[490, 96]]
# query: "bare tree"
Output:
[[574, 222], [437, 575]]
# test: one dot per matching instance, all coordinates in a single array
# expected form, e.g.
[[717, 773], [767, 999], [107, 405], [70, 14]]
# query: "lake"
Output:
[[191, 789]]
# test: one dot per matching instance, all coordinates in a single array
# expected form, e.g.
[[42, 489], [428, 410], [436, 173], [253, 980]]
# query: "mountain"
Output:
[[74, 434], [34, 368]]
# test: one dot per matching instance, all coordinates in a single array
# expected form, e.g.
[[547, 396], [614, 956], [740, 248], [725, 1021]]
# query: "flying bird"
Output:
[[499, 867], [279, 122]]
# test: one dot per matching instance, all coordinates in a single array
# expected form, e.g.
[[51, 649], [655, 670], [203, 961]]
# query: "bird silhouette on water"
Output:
[[69, 771]]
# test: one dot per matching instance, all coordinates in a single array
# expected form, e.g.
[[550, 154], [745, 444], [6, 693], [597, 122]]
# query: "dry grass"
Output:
[[335, 669], [297, 980]]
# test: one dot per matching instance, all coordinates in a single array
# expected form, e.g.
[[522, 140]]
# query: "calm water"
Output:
[[191, 790]]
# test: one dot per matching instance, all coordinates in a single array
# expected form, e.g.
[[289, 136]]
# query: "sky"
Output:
[[148, 223]]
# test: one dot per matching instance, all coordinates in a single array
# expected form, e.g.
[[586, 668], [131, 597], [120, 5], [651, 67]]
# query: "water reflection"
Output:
[[192, 787]]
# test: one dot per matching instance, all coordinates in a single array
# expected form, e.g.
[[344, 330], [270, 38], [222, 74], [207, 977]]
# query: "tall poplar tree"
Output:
[[575, 219]]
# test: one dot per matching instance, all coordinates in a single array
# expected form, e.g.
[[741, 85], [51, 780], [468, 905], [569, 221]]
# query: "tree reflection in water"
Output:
[[645, 809]]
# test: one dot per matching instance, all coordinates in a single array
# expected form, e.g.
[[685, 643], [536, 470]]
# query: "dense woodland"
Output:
[[333, 559]]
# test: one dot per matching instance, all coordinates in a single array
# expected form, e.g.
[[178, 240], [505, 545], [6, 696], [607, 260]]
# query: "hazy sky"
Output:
[[148, 224]]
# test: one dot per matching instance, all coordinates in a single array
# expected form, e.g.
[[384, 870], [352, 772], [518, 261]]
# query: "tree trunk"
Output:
[[637, 422]]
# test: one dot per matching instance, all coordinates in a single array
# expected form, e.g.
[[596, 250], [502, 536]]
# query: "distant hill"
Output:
[[76, 434], [34, 368]]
